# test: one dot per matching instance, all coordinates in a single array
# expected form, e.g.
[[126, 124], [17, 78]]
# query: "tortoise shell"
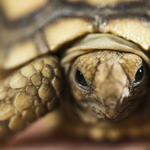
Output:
[[49, 31]]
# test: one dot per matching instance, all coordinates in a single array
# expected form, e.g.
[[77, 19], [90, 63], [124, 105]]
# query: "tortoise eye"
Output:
[[80, 78], [139, 76]]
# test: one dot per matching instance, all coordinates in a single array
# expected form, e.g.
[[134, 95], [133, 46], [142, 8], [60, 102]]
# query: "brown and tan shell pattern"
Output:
[[33, 28]]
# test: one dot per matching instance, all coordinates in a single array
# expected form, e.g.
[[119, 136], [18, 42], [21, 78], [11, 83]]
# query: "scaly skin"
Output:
[[29, 93], [35, 89]]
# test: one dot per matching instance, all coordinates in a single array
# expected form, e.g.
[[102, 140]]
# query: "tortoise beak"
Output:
[[111, 84]]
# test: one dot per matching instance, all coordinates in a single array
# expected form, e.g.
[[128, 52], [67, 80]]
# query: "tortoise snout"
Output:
[[110, 82]]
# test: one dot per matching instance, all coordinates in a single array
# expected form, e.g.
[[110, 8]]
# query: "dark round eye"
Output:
[[80, 78], [139, 76]]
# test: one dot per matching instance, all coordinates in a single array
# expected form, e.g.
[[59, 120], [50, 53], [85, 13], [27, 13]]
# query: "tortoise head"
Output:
[[109, 84]]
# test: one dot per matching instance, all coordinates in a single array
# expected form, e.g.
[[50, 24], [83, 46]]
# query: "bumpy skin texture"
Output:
[[29, 93]]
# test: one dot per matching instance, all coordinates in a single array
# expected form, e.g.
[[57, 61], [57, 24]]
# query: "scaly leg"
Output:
[[29, 93]]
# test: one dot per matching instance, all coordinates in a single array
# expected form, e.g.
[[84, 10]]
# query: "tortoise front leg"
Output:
[[29, 93]]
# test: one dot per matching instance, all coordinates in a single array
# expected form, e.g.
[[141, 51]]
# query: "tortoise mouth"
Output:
[[113, 113]]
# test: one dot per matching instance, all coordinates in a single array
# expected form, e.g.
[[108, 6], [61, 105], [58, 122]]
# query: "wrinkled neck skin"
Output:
[[112, 92]]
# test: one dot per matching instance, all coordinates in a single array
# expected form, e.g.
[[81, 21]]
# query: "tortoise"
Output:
[[84, 62]]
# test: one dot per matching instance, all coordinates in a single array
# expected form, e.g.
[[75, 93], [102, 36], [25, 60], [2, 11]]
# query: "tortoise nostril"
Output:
[[111, 103]]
